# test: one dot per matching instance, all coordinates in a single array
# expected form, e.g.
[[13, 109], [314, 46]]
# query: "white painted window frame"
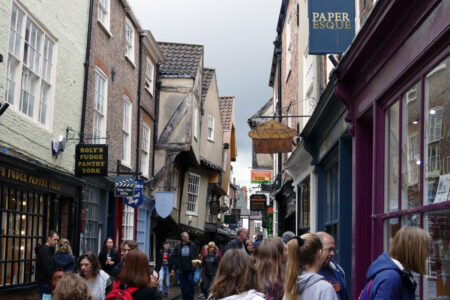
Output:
[[129, 40], [193, 193], [98, 113], [145, 158], [126, 131], [149, 76], [104, 8], [38, 65], [211, 120]]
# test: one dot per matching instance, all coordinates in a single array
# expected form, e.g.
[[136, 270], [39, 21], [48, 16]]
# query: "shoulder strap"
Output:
[[115, 285], [368, 289]]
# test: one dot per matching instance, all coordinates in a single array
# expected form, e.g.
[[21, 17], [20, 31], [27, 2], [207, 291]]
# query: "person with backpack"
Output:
[[63, 261], [390, 274], [108, 256], [134, 282], [304, 262]]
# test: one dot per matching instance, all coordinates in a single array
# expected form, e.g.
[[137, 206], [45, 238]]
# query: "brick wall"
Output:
[[108, 52]]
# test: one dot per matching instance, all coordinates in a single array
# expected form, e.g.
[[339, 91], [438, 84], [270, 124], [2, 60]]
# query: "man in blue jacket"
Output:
[[332, 272]]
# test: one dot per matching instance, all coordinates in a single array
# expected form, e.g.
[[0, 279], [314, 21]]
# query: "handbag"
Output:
[[197, 275]]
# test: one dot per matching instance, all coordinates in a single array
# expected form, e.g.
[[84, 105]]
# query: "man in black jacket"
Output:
[[44, 254], [164, 266], [238, 242], [185, 253]]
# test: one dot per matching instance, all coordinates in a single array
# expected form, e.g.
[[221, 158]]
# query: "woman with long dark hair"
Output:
[[136, 274], [108, 256], [270, 256]]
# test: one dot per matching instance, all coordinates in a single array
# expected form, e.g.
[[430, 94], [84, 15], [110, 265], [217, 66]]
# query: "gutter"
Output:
[[86, 71], [76, 242], [155, 122], [138, 121]]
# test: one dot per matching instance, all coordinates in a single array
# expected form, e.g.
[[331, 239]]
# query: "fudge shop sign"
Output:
[[331, 25], [91, 160]]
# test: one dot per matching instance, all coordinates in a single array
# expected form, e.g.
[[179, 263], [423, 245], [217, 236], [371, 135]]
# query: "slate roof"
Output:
[[181, 60], [206, 81], [226, 110]]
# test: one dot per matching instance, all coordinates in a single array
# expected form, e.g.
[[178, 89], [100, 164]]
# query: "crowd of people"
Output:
[[291, 267]]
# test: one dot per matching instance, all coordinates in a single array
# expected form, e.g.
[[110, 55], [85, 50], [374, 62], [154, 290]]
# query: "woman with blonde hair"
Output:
[[390, 275], [71, 287], [270, 256], [63, 259], [304, 262], [210, 261], [236, 278]]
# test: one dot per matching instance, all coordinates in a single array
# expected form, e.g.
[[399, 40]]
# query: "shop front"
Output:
[[33, 200], [327, 139], [398, 98]]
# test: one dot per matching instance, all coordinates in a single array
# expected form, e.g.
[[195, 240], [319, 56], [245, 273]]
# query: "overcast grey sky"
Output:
[[238, 37]]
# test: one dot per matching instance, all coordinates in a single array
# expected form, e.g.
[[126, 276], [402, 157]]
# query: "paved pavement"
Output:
[[175, 293]]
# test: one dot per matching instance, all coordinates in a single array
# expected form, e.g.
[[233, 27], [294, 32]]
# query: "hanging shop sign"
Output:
[[214, 207], [91, 160], [261, 176], [230, 219], [272, 137], [124, 186], [331, 25], [164, 203], [258, 202], [138, 195]]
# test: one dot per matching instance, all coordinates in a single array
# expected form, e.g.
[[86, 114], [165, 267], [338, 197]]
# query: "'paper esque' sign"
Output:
[[331, 25]]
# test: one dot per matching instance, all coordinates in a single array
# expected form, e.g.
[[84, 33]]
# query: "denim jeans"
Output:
[[187, 285], [164, 277]]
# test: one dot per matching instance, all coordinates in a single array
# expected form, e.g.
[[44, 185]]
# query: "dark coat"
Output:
[[159, 260], [64, 261], [182, 265], [114, 257], [117, 268], [43, 256], [389, 282], [211, 264], [234, 244]]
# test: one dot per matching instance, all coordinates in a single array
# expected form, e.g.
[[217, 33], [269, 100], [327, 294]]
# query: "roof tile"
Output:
[[226, 109], [181, 60]]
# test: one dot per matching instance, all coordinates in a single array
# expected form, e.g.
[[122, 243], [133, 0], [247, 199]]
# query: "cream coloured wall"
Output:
[[66, 22]]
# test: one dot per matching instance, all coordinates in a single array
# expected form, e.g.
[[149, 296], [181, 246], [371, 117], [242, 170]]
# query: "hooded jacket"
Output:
[[314, 286], [248, 295], [62, 260], [389, 282]]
